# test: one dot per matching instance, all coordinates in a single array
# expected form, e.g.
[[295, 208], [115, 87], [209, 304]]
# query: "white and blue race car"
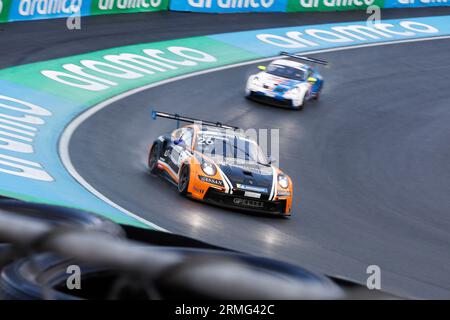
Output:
[[286, 82]]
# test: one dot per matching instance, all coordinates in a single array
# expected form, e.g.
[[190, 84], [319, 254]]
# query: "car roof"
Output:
[[290, 63], [219, 131]]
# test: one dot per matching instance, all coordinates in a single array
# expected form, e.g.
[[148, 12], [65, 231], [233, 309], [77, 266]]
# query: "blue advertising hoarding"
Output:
[[45, 9], [226, 6], [415, 3]]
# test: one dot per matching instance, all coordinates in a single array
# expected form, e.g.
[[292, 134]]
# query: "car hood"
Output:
[[250, 176], [277, 84]]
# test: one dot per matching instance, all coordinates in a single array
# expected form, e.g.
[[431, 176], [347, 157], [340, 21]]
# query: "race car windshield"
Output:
[[232, 147], [286, 72]]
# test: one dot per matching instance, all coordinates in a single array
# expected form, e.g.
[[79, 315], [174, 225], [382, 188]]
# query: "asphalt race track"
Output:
[[370, 162]]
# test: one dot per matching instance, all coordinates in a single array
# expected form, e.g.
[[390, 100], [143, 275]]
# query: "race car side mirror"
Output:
[[178, 141], [312, 80], [262, 68]]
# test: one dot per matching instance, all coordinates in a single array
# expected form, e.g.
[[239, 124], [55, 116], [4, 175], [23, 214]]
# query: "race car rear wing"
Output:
[[178, 118], [298, 57]]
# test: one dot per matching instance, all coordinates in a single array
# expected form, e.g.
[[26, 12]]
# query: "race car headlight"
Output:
[[295, 90], [209, 168], [283, 181], [256, 80]]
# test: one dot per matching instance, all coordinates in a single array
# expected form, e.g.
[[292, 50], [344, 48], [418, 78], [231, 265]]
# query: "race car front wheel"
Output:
[[248, 93], [183, 181], [299, 104], [153, 158]]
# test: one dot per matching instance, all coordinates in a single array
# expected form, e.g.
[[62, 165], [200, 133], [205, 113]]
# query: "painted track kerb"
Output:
[[66, 136]]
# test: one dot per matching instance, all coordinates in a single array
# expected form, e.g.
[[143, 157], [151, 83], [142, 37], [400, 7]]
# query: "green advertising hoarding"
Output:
[[331, 5], [127, 6], [4, 9], [23, 10]]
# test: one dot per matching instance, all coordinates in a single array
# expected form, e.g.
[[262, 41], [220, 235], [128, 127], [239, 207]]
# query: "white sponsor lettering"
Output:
[[128, 4], [280, 41], [346, 34], [387, 26], [94, 75], [110, 70], [45, 7], [406, 2], [418, 27], [139, 63], [232, 4], [22, 106], [17, 137], [192, 54], [327, 36], [335, 3], [360, 32], [78, 82], [23, 168]]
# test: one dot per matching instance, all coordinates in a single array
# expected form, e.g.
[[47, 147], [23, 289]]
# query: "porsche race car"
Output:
[[218, 164], [286, 82]]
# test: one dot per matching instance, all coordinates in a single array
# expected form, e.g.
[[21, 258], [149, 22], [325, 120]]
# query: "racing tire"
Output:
[[317, 96], [248, 93], [153, 158], [56, 216], [61, 216], [183, 181], [18, 281], [44, 276]]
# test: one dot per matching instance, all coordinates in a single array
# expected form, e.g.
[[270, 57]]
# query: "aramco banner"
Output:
[[19, 10]]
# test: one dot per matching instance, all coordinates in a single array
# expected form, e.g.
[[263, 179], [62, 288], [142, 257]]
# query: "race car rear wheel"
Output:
[[316, 96], [153, 158], [183, 181]]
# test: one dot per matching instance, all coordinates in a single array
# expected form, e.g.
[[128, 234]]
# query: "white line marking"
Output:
[[70, 129]]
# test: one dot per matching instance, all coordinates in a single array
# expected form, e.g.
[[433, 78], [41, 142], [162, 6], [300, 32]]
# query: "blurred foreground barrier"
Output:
[[118, 265], [55, 216]]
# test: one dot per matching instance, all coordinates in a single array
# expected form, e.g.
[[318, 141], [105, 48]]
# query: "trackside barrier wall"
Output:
[[23, 10], [20, 10], [228, 6], [415, 3], [39, 100]]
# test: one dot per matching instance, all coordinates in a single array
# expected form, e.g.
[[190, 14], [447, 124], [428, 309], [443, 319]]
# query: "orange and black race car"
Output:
[[218, 164]]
